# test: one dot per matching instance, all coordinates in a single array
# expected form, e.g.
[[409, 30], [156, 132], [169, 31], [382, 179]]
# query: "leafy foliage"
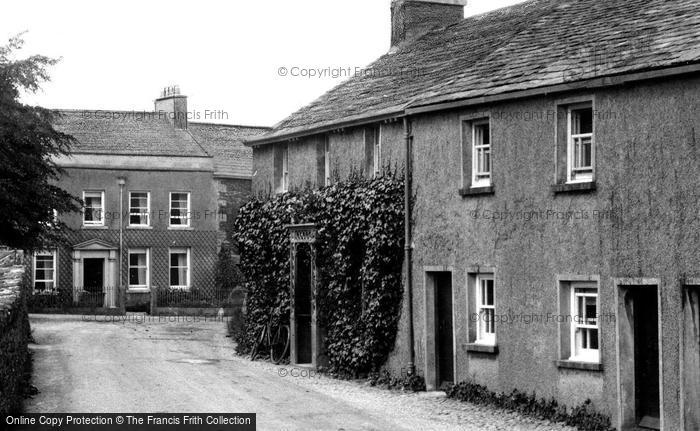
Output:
[[15, 357], [583, 417], [385, 379], [28, 142], [359, 254]]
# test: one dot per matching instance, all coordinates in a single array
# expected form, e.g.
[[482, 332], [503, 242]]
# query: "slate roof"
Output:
[[225, 143], [537, 43], [127, 133], [146, 133]]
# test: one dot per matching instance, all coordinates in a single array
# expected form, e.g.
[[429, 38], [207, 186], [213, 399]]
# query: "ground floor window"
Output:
[[138, 268], [486, 309], [45, 272], [180, 268], [584, 326]]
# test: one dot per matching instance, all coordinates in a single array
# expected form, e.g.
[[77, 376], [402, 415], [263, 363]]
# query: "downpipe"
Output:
[[408, 241]]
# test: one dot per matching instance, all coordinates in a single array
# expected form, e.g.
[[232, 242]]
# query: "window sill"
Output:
[[180, 228], [482, 348], [94, 227], [138, 290], [135, 227], [578, 365], [476, 191], [574, 187]]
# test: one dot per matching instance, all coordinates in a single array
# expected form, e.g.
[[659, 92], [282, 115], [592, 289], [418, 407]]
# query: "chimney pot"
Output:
[[173, 106]]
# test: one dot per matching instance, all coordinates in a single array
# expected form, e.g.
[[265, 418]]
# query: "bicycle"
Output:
[[276, 337]]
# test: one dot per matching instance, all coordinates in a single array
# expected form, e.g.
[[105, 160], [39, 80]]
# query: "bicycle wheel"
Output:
[[260, 341], [279, 345]]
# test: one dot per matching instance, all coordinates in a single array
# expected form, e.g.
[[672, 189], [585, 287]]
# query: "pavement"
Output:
[[143, 364]]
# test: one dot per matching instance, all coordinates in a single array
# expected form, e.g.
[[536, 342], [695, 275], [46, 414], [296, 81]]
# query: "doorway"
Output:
[[646, 358], [303, 305], [639, 347], [93, 283], [444, 328], [93, 275]]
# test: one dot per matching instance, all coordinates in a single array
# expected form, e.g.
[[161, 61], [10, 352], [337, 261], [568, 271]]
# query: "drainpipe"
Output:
[[408, 241], [121, 181]]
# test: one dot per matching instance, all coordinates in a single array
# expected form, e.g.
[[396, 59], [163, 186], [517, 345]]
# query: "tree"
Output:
[[29, 196]]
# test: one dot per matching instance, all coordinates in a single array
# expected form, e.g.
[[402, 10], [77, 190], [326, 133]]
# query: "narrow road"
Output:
[[97, 365]]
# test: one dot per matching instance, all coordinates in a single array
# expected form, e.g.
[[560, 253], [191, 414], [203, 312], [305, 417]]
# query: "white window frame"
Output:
[[481, 179], [377, 151], [327, 161], [482, 336], [93, 193], [187, 213], [578, 353], [54, 280], [579, 174], [285, 168], [147, 214], [180, 250], [147, 252]]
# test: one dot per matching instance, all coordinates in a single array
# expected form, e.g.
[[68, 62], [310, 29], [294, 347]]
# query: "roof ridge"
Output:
[[229, 125]]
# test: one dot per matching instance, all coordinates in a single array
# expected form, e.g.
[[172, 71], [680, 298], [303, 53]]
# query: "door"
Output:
[[302, 305], [646, 358], [445, 329], [93, 283], [93, 275]]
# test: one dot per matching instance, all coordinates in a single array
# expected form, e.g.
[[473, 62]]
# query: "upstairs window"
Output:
[[93, 213], [481, 154], [285, 169], [581, 151], [45, 272], [179, 209], [139, 208], [373, 151], [327, 161]]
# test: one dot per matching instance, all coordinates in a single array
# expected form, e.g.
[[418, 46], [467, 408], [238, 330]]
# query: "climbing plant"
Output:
[[359, 258]]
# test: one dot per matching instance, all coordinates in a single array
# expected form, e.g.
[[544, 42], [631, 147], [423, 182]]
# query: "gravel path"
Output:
[[189, 366]]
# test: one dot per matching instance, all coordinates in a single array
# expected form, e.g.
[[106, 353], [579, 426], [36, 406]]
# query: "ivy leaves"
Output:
[[359, 259]]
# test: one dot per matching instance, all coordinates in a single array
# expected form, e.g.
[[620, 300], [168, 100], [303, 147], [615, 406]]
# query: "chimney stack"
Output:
[[172, 106], [413, 18]]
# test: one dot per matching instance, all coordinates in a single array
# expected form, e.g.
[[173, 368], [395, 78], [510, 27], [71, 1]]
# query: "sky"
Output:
[[235, 60]]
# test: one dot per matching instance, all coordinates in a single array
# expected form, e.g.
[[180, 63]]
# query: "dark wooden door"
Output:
[[646, 357], [93, 275], [302, 304], [445, 329]]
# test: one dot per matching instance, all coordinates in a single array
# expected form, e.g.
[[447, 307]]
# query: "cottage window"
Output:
[[45, 272], [138, 268], [485, 309], [584, 327], [581, 151], [139, 208], [179, 209], [180, 268], [327, 161], [285, 169], [373, 150], [481, 154], [93, 213]]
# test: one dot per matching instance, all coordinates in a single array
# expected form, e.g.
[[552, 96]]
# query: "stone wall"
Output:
[[14, 340]]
